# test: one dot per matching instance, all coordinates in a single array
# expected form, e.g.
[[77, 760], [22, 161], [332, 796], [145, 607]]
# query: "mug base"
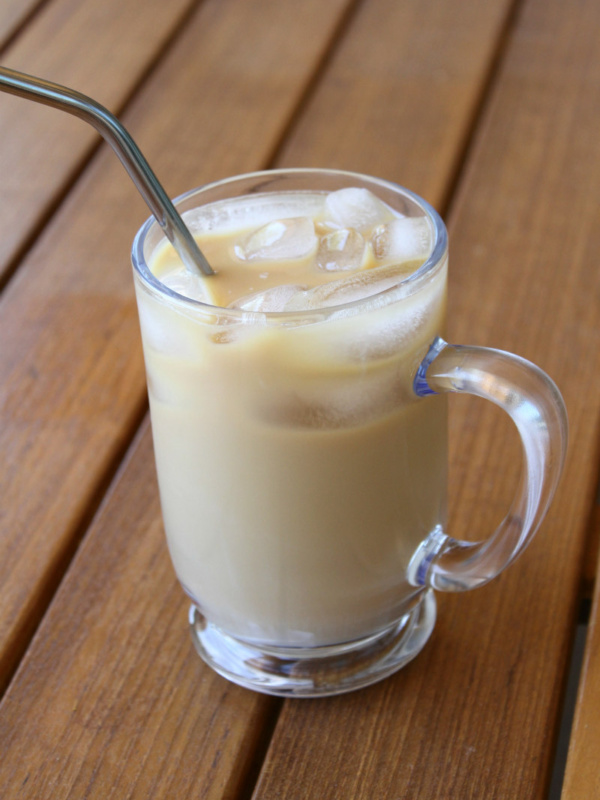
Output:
[[318, 672]]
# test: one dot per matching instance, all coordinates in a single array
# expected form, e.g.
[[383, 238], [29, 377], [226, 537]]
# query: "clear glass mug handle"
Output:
[[536, 407]]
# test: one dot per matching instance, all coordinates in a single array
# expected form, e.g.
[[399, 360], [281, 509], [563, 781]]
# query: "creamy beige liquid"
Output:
[[298, 472]]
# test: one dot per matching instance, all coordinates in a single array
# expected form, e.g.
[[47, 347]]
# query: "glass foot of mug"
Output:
[[317, 672]]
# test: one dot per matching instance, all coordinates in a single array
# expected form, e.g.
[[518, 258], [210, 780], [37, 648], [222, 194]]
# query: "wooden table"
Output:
[[489, 110]]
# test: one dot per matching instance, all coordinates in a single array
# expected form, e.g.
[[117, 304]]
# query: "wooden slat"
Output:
[[14, 13], [399, 98], [114, 703], [100, 47], [72, 384], [582, 776], [590, 567], [475, 715]]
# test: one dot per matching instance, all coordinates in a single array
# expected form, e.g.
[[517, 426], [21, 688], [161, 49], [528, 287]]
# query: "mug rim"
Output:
[[407, 286]]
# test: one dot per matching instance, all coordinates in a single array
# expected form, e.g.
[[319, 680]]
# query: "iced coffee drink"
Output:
[[298, 471], [298, 412]]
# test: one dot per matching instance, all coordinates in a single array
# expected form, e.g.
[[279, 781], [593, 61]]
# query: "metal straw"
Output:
[[52, 94]]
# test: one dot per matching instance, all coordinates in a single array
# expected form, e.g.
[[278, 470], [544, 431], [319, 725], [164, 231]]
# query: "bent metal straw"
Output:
[[57, 96]]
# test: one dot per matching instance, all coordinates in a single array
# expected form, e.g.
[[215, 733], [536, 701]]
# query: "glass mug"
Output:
[[301, 455]]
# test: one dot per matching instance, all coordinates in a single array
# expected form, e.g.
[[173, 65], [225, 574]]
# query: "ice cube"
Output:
[[402, 239], [345, 290], [227, 334], [336, 402], [187, 284], [356, 208], [251, 212], [273, 299], [166, 331], [340, 250], [280, 239]]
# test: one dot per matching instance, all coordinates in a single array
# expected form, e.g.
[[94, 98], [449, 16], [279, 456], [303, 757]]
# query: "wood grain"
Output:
[[72, 387], [103, 48], [13, 14], [475, 715], [399, 96], [590, 567]]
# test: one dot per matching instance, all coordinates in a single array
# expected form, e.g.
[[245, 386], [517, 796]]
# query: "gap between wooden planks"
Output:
[[582, 776]]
